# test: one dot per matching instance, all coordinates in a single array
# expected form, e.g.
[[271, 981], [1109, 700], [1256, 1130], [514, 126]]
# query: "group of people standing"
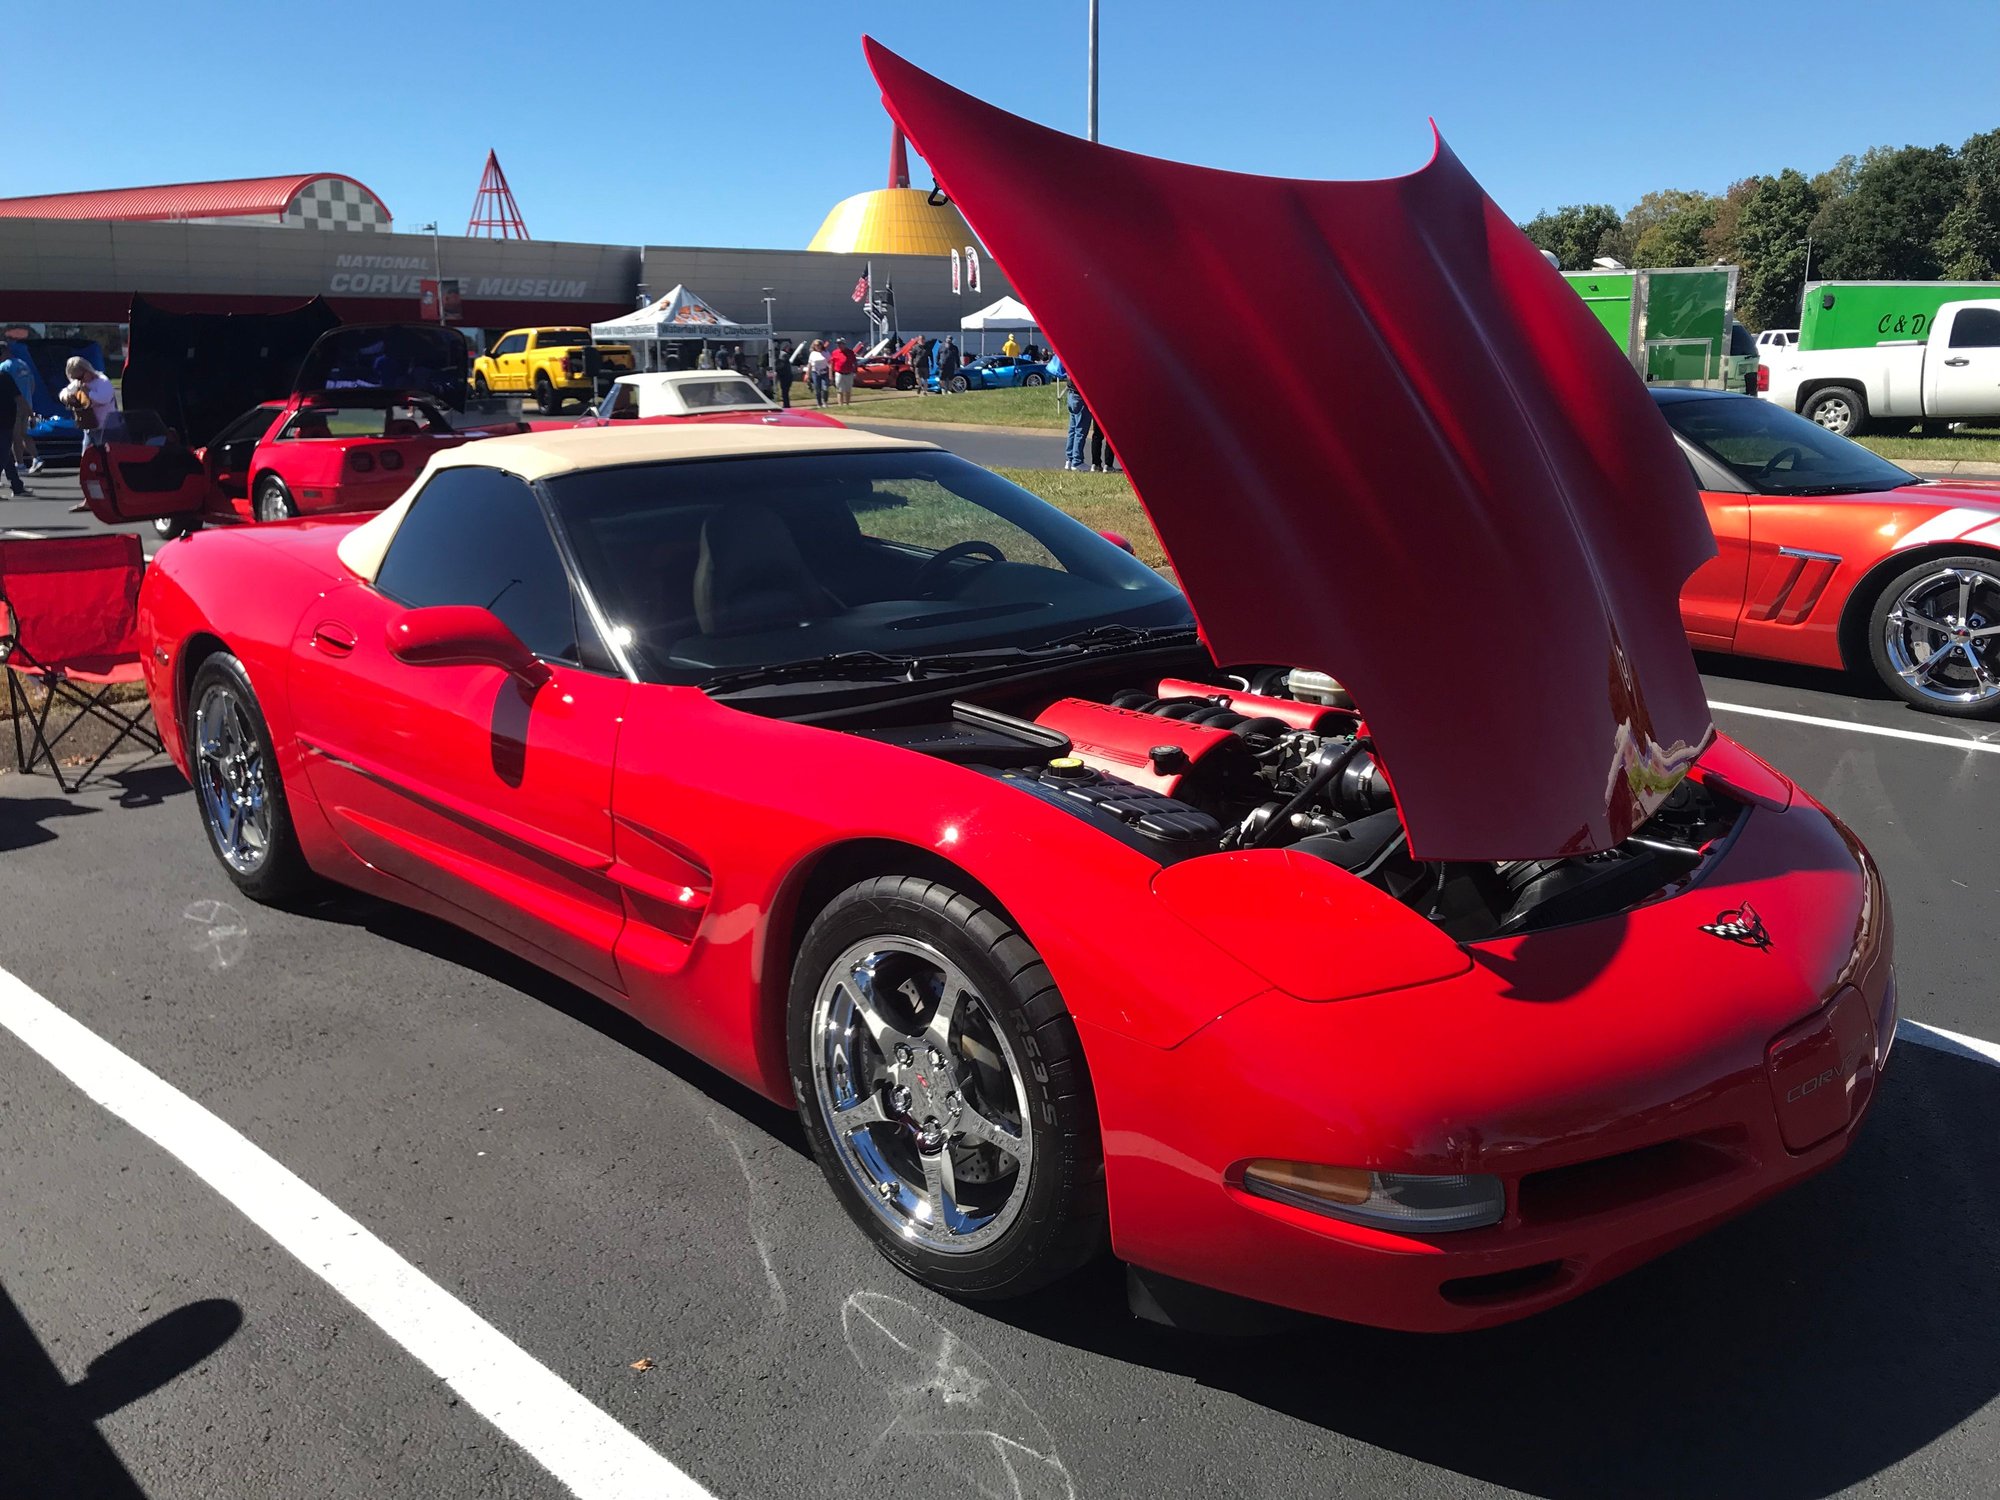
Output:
[[90, 397]]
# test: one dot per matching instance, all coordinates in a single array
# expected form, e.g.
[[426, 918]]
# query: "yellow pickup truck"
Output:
[[552, 363]]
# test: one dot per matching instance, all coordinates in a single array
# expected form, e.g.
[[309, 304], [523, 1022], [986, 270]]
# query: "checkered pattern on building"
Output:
[[334, 203]]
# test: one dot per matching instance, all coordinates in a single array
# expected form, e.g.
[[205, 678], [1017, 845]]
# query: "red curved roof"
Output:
[[240, 197]]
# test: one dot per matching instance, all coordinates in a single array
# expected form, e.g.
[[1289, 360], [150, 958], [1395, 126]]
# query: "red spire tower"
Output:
[[495, 214], [899, 160]]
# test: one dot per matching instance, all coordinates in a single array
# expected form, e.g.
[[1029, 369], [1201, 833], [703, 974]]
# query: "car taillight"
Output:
[[392, 460], [361, 461], [1763, 377]]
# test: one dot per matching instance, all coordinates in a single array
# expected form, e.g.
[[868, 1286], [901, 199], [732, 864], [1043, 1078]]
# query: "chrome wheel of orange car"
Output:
[[1936, 636], [942, 1085]]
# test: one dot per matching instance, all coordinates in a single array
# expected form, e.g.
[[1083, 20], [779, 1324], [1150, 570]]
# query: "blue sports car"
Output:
[[988, 372]]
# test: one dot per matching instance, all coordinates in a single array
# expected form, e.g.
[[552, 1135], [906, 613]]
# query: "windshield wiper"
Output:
[[1115, 635], [861, 664]]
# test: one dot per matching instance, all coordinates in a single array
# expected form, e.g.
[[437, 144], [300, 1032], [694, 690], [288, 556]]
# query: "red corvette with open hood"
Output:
[[1077, 915]]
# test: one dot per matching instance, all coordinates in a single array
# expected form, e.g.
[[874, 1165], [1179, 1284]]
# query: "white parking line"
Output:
[[1950, 742], [575, 1441], [1947, 1041]]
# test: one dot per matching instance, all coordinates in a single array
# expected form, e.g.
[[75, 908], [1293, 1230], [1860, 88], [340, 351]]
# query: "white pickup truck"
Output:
[[1951, 376]]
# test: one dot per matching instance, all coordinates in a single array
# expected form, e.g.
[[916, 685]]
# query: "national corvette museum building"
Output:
[[262, 244]]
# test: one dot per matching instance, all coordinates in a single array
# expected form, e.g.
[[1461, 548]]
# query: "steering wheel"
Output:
[[931, 576], [1771, 463]]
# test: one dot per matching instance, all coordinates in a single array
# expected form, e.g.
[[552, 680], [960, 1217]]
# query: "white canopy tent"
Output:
[[1007, 315], [676, 317]]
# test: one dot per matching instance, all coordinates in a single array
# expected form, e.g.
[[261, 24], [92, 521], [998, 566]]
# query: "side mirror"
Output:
[[1117, 541], [461, 635]]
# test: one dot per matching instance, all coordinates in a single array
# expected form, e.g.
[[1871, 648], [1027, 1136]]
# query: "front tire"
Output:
[[1840, 409], [169, 528], [943, 1089], [238, 791], [959, 383], [479, 386], [548, 400], [273, 502], [1031, 380], [905, 381], [1934, 636]]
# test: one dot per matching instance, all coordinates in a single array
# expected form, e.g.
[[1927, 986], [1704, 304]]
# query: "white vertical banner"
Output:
[[972, 268], [954, 274]]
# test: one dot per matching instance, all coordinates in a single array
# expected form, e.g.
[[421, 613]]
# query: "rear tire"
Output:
[[170, 528], [273, 501], [548, 400], [1840, 409], [1031, 380], [238, 790], [974, 1162]]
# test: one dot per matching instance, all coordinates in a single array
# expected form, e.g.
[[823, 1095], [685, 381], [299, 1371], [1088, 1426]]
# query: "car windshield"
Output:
[[1776, 452], [713, 567], [719, 395]]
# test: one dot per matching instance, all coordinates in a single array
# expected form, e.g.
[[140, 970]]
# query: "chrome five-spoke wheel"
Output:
[[1940, 636], [229, 775], [921, 1093]]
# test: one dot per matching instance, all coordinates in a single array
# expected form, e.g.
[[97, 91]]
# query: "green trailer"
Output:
[[1673, 322], [1863, 314]]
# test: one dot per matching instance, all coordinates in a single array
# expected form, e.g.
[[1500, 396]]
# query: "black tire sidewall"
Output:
[[547, 397], [1061, 1223], [284, 873], [1878, 656]]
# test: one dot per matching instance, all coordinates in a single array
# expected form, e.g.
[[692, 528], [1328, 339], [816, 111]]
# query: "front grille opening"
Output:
[[1505, 1286], [1615, 1182]]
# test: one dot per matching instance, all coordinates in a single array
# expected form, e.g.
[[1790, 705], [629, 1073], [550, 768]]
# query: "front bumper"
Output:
[[1633, 1083]]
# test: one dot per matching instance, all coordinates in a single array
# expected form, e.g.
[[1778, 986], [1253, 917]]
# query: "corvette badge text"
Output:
[[401, 275]]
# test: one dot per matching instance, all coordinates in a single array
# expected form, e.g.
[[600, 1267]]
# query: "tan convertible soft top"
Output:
[[537, 455]]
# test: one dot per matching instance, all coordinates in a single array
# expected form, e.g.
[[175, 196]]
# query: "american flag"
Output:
[[861, 290]]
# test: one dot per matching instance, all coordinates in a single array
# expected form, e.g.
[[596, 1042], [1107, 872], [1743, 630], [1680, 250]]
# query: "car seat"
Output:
[[751, 575]]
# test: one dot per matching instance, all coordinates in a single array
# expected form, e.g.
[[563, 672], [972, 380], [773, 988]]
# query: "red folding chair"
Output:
[[71, 614]]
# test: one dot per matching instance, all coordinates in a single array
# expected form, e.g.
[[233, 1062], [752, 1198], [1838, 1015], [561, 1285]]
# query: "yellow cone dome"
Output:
[[892, 221]]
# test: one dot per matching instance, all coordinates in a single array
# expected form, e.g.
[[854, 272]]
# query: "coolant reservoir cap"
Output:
[[1068, 768]]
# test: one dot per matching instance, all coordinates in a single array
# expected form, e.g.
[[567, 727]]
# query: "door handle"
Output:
[[332, 637], [1961, 360]]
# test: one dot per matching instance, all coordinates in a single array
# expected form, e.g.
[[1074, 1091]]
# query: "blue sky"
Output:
[[739, 122]]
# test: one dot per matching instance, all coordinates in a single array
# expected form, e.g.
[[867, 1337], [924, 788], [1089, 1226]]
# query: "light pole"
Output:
[[1092, 92], [771, 332]]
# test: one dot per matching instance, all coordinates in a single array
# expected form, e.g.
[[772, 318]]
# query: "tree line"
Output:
[[1909, 213]]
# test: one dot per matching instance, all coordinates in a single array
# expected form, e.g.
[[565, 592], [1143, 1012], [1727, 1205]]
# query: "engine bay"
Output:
[[1280, 759]]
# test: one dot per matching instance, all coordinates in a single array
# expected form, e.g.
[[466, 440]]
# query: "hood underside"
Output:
[[1423, 467], [201, 371]]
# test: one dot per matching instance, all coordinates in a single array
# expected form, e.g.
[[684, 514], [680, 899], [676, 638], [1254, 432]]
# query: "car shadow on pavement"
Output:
[[1791, 1354], [413, 929], [49, 1442], [1792, 675]]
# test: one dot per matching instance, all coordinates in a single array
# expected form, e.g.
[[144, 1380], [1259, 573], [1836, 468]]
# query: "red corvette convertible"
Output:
[[1829, 556], [369, 405], [1067, 924]]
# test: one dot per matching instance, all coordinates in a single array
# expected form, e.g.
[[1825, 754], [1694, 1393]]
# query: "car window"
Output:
[[477, 536], [712, 395], [1976, 328], [1776, 452], [1740, 341], [621, 402], [252, 424], [702, 566], [514, 343]]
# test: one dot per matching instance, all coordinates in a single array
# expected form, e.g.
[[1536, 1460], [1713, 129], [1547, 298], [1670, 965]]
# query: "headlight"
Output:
[[1401, 1201]]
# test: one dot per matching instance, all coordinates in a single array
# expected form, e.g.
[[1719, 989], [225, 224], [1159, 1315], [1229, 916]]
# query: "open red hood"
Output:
[[1387, 443]]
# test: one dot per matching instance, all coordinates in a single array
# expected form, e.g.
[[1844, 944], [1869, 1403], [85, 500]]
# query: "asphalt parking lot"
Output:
[[451, 1205]]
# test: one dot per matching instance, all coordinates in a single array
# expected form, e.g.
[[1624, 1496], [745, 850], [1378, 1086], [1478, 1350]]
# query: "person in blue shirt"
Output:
[[21, 447]]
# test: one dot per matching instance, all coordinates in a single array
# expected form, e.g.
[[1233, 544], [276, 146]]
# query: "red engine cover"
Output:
[[1313, 716], [1119, 741]]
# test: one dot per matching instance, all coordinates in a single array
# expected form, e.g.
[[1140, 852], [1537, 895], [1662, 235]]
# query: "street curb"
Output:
[[1047, 432], [1954, 466]]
